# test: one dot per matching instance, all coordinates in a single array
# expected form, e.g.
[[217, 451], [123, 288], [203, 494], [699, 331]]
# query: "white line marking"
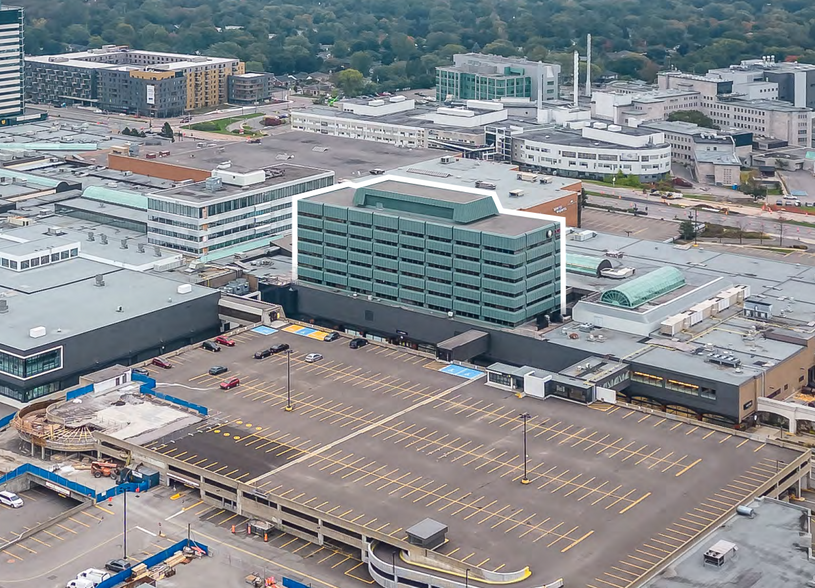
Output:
[[148, 532]]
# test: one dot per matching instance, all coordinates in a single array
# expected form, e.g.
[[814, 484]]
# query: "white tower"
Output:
[[588, 65], [576, 76]]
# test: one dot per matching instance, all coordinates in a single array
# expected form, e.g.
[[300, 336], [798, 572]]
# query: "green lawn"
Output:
[[220, 125]]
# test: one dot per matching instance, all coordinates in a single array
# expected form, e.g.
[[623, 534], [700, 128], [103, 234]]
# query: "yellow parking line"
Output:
[[687, 468]]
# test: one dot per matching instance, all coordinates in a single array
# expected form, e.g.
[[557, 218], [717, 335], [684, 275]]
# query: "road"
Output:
[[757, 220]]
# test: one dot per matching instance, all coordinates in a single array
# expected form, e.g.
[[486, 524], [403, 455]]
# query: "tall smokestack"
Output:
[[588, 65], [576, 76]]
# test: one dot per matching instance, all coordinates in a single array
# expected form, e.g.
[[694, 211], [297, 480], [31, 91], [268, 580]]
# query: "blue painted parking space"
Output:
[[461, 372], [264, 330], [305, 331]]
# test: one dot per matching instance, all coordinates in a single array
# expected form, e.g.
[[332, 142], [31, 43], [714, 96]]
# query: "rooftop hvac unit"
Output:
[[485, 185], [213, 184], [516, 193], [447, 159]]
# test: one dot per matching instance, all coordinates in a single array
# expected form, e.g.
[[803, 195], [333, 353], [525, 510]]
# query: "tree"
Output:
[[362, 62], [350, 82], [693, 116], [126, 131], [167, 131], [687, 230]]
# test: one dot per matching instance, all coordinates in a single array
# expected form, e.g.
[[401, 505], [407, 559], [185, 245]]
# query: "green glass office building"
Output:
[[431, 246]]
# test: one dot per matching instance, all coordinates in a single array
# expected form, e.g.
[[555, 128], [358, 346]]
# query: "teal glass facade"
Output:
[[412, 251]]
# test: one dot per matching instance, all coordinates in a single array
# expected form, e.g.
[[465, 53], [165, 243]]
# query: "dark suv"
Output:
[[357, 343], [262, 354], [279, 348], [210, 346]]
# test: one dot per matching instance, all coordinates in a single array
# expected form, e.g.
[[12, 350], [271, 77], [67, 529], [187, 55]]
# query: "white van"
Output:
[[10, 499], [90, 578]]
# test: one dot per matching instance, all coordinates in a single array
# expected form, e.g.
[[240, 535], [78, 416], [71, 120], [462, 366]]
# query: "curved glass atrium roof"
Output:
[[645, 288]]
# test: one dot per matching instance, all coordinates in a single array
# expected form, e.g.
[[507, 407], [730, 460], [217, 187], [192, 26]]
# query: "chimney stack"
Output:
[[588, 65], [576, 76]]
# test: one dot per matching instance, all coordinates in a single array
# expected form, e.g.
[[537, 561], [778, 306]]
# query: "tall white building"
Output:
[[11, 64]]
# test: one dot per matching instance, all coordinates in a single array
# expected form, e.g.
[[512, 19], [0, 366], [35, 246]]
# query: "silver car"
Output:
[[312, 357]]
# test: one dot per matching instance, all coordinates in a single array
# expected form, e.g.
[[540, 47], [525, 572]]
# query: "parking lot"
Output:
[[380, 437], [642, 227]]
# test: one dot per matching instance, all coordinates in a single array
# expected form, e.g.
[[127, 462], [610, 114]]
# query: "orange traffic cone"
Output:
[[233, 529], [266, 537]]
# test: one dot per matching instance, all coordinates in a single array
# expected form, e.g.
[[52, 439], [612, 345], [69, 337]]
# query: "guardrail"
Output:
[[6, 420], [148, 386], [46, 524], [55, 479]]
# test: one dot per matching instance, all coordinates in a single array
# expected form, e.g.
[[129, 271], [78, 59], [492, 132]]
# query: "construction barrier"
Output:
[[54, 481], [289, 583], [148, 386], [152, 561], [77, 392], [121, 489], [6, 420]]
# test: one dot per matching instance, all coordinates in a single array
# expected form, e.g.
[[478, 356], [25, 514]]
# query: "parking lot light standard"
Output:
[[289, 407], [525, 417]]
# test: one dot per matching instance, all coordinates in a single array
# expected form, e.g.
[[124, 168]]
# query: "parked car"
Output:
[[90, 578], [140, 370], [279, 348], [229, 384], [117, 565], [217, 370], [262, 354], [10, 499], [210, 346], [332, 336], [312, 357], [162, 363], [357, 343], [224, 341]]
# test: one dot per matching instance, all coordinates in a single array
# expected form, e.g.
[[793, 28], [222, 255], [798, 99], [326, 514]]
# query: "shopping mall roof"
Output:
[[645, 288]]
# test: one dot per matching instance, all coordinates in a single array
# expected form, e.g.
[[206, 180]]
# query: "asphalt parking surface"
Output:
[[378, 436], [641, 227]]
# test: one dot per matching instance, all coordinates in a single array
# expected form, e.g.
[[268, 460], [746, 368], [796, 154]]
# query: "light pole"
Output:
[[525, 417], [695, 217], [467, 578], [393, 568], [289, 407], [124, 524]]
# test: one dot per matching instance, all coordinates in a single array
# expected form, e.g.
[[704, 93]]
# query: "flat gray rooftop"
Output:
[[771, 552], [197, 192], [466, 172], [574, 138], [348, 158], [502, 223]]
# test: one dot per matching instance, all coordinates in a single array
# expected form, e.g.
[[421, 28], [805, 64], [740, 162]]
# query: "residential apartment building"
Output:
[[250, 88], [74, 77], [595, 151], [11, 64], [158, 94], [234, 206], [433, 246], [474, 76]]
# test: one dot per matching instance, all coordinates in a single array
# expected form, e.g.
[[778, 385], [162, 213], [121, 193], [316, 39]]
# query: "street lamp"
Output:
[[467, 578], [124, 524], [289, 407], [695, 217], [525, 417], [393, 568]]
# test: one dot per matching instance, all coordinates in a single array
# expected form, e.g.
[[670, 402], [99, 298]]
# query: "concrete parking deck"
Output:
[[379, 437]]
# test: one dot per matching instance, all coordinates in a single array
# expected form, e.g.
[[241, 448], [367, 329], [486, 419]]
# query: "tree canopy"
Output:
[[693, 116], [398, 44]]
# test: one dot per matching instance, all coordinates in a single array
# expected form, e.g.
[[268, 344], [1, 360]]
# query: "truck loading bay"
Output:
[[378, 439]]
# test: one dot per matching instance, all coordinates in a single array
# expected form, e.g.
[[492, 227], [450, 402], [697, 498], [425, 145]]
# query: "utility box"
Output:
[[260, 528], [719, 552], [428, 534]]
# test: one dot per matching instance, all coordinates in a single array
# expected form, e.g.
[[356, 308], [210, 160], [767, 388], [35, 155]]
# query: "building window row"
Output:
[[34, 365]]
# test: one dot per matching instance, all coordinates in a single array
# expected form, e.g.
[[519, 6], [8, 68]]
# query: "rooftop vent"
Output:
[[103, 238], [213, 184], [100, 280], [140, 247], [485, 185], [37, 332], [156, 251], [3, 306], [90, 236], [123, 244]]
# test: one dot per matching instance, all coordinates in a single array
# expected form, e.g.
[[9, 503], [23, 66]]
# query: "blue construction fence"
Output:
[[6, 420], [152, 561], [148, 386], [289, 583], [51, 477], [121, 489], [77, 392]]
